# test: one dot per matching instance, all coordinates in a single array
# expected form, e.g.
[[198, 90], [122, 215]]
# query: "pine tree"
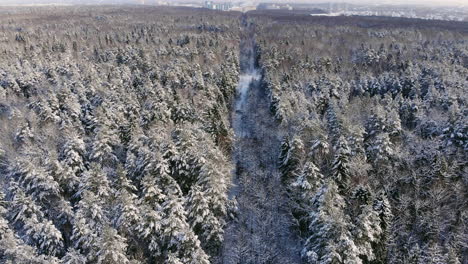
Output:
[[34, 180], [126, 208], [45, 235], [88, 120], [319, 150], [212, 182], [96, 181], [380, 150], [330, 240], [73, 257], [105, 141], [393, 123], [308, 181], [382, 206], [177, 237], [285, 146], [303, 190], [374, 125], [433, 253], [149, 226], [73, 161], [335, 129], [172, 258], [198, 208], [368, 232], [69, 106], [12, 248], [90, 219], [157, 188], [452, 257], [414, 255], [112, 248], [203, 221], [24, 135], [184, 160], [212, 179], [217, 128], [340, 169], [290, 159], [34, 226]]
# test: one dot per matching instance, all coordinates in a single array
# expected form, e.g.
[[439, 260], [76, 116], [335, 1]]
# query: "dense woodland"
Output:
[[116, 135], [377, 136], [115, 138]]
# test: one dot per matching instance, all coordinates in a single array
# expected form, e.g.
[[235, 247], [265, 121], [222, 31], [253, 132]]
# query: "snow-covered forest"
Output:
[[188, 136], [115, 137], [376, 122]]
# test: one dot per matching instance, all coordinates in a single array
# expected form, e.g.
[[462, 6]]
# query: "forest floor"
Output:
[[261, 233]]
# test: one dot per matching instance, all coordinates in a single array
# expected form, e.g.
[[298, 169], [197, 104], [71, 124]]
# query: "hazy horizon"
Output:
[[369, 2]]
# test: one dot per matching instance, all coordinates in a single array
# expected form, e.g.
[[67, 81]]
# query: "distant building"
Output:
[[274, 6], [208, 4], [243, 8], [218, 6]]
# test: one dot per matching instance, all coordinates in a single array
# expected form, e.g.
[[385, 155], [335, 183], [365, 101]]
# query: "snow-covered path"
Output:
[[261, 233]]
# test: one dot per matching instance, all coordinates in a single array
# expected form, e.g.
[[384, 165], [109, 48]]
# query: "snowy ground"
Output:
[[261, 233]]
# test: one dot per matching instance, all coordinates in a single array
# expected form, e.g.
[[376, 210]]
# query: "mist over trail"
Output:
[[261, 233]]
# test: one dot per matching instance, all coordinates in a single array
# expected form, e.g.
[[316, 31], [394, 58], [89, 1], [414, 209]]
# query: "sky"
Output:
[[421, 2]]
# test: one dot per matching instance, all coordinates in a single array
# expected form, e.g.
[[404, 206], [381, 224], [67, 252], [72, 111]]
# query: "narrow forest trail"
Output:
[[261, 233]]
